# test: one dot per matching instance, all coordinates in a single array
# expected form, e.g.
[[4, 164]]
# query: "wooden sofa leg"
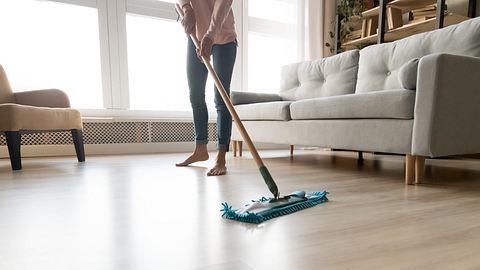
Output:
[[419, 169], [240, 148], [292, 147], [409, 169], [77, 136], [13, 142], [234, 144]]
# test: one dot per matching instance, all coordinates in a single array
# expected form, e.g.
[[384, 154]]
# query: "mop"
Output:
[[264, 208]]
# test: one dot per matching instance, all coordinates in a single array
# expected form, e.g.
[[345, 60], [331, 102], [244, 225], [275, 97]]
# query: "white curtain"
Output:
[[319, 16]]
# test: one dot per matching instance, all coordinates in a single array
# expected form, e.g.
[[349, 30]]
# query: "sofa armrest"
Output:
[[447, 106], [250, 97], [52, 98]]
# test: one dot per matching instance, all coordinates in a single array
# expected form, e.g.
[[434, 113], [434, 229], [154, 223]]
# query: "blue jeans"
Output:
[[223, 61]]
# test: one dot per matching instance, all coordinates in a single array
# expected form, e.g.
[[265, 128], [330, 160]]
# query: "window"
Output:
[[130, 54], [157, 49], [272, 42], [284, 11], [156, 64], [266, 55], [52, 45]]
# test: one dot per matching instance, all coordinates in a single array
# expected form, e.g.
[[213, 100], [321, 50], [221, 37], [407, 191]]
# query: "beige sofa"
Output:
[[419, 96], [36, 111]]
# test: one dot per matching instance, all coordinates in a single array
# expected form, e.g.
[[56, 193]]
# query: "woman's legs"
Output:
[[223, 62], [197, 77]]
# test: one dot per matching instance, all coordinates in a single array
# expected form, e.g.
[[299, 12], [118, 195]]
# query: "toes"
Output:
[[212, 172], [217, 171]]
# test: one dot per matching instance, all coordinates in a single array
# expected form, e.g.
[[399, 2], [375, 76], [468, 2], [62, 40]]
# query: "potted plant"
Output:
[[349, 14]]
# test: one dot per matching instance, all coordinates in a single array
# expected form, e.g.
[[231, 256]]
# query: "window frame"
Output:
[[114, 54]]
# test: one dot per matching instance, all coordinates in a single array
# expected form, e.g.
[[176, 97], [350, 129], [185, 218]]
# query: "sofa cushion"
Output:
[[396, 104], [15, 117], [278, 110], [331, 76], [379, 64], [238, 97], [407, 75]]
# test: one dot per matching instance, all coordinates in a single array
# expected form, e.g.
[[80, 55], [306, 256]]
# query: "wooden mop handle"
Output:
[[231, 109]]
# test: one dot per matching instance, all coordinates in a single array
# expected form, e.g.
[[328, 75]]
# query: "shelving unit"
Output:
[[406, 30], [385, 22]]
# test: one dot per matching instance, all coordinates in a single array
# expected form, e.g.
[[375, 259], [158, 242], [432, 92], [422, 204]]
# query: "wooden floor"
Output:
[[141, 212]]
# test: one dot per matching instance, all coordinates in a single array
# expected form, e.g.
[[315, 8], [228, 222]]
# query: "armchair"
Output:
[[36, 111]]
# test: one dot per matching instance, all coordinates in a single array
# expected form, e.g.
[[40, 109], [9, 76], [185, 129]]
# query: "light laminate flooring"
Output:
[[141, 212]]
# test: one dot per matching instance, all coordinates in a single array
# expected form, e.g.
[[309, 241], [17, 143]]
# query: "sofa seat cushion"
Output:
[[276, 111], [16, 117], [395, 104]]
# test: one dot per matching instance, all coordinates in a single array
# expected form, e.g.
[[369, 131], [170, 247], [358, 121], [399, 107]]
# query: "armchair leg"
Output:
[[13, 142], [77, 136], [292, 147], [409, 169]]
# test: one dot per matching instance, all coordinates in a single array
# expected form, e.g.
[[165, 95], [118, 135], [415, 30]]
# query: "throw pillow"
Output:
[[408, 74]]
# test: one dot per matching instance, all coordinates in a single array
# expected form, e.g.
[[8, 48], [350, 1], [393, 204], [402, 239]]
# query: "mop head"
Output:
[[267, 208]]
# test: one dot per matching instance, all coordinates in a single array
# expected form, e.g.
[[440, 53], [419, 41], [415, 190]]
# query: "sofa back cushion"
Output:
[[379, 65], [331, 76]]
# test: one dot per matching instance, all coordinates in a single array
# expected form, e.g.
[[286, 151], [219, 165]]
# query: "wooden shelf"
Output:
[[404, 5], [422, 26], [366, 40], [407, 30], [371, 12], [408, 5]]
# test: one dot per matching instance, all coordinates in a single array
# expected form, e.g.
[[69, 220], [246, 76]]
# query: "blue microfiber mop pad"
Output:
[[261, 210]]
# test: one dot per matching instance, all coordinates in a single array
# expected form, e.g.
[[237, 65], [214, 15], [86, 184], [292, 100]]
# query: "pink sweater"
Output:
[[214, 18]]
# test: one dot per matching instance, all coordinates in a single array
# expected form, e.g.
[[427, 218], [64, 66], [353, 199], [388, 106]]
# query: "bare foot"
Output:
[[219, 168], [200, 154]]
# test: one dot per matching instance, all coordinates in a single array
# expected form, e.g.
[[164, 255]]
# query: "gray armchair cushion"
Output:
[[249, 97], [407, 75]]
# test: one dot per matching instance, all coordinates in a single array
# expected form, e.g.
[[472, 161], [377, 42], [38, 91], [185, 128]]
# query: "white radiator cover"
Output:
[[115, 137]]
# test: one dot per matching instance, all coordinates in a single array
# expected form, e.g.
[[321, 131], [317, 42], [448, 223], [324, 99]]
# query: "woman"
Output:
[[212, 22]]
